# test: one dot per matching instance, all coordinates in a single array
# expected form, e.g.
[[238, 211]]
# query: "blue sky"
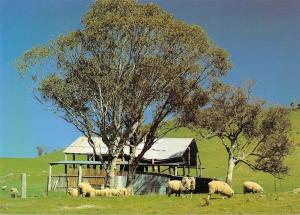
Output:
[[263, 38]]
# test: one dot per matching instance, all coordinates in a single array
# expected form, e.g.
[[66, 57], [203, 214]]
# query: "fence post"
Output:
[[49, 179], [79, 174], [23, 189]]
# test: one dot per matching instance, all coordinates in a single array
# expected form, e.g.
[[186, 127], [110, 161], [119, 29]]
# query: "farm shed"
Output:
[[164, 159], [164, 150]]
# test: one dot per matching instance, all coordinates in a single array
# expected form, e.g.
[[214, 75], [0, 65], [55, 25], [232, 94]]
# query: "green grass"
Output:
[[285, 203], [213, 158]]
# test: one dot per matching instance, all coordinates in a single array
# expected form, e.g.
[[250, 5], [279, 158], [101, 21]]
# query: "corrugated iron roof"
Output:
[[162, 149]]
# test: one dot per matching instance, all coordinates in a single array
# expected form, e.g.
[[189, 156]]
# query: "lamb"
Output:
[[252, 187], [178, 187], [86, 190], [74, 192], [219, 187], [14, 192]]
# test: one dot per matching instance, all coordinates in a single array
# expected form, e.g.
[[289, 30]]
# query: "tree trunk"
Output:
[[111, 172], [231, 165], [131, 172]]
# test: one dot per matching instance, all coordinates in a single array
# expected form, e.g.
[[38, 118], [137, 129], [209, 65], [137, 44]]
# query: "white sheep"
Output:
[[252, 187], [74, 192], [219, 187], [86, 190], [192, 186], [115, 192], [111, 192], [14, 192], [103, 193], [296, 190], [178, 187]]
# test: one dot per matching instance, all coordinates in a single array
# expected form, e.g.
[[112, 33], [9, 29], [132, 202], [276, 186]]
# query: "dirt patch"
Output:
[[77, 207]]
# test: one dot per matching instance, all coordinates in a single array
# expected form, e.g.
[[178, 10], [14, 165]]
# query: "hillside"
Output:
[[212, 154]]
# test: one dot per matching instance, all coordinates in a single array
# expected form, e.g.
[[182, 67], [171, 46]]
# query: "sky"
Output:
[[262, 37]]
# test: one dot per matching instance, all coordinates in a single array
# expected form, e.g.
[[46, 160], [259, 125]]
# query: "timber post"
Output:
[[175, 170], [200, 167], [79, 174], [189, 160], [23, 189], [49, 179]]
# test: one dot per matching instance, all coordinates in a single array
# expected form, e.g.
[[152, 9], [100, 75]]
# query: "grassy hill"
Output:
[[213, 158]]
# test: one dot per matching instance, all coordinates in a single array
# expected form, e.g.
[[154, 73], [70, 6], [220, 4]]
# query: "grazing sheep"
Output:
[[252, 187], [14, 192], [103, 193], [219, 187], [111, 192], [123, 191], [296, 190], [129, 190], [178, 187], [73, 192], [115, 192], [3, 187], [192, 185], [86, 190]]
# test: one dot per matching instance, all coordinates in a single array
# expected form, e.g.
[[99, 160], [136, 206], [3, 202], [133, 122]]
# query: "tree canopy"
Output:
[[252, 134], [128, 59]]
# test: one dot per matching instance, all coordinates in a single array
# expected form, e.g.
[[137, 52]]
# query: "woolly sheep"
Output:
[[296, 190], [178, 187], [111, 192], [86, 190], [14, 192], [103, 193], [115, 192], [252, 187], [192, 184], [123, 191], [219, 187], [73, 192]]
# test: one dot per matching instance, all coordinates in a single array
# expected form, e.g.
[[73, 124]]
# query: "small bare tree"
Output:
[[40, 150], [251, 134]]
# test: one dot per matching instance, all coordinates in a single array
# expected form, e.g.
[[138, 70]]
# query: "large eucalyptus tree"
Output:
[[128, 59]]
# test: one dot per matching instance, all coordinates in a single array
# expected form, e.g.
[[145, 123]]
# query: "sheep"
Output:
[[178, 187], [14, 192], [86, 190], [192, 185], [252, 187], [74, 192], [123, 191], [115, 192], [219, 187], [111, 192], [103, 193], [296, 190]]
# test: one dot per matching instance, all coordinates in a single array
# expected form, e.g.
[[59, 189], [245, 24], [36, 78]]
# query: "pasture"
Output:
[[283, 203], [277, 198]]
